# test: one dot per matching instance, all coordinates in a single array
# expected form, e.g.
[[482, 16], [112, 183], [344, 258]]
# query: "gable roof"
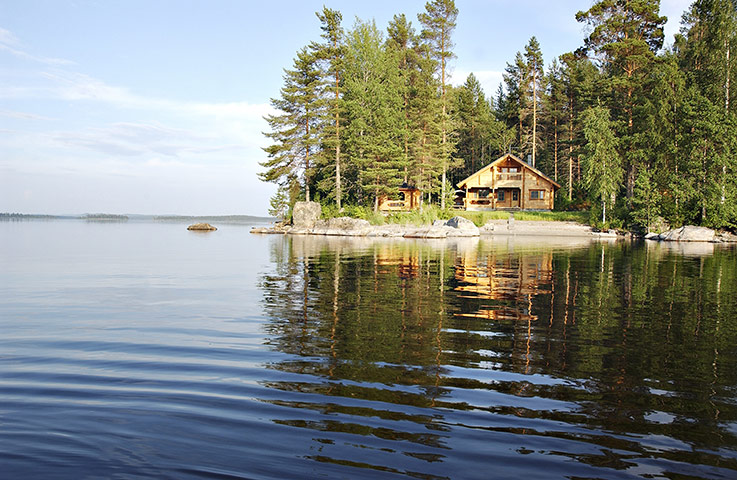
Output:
[[514, 158]]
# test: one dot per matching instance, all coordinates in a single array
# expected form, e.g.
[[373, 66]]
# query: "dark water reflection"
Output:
[[515, 358], [143, 351]]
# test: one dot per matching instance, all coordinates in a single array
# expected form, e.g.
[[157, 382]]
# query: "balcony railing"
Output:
[[508, 176]]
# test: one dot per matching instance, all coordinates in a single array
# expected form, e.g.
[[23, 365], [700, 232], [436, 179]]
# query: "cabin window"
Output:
[[537, 194], [484, 193], [500, 195]]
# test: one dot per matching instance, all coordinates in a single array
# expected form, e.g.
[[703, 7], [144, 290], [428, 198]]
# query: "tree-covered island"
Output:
[[632, 131]]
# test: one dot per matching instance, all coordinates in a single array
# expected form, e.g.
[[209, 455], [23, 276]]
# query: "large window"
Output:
[[537, 194]]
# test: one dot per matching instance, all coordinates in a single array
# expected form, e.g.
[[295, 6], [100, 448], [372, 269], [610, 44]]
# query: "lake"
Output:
[[142, 350]]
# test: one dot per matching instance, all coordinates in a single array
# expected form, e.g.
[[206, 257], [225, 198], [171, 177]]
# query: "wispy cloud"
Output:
[[22, 115], [139, 139], [10, 43]]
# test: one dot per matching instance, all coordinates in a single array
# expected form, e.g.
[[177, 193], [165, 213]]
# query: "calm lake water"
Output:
[[141, 350]]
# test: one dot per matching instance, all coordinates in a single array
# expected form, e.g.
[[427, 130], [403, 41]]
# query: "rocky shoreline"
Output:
[[306, 221]]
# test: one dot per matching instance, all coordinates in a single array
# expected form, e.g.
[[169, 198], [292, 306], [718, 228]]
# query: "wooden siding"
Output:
[[508, 174]]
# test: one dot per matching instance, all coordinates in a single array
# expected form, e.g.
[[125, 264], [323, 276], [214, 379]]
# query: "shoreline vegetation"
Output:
[[638, 130]]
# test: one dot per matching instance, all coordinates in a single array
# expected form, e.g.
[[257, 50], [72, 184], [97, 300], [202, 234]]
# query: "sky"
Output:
[[157, 106]]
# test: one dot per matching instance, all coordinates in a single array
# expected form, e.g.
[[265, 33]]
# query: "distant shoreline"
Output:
[[139, 217]]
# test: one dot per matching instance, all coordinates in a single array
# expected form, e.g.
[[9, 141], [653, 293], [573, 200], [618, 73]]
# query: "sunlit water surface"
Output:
[[142, 350]]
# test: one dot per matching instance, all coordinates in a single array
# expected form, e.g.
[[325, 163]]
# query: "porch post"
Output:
[[493, 192], [522, 194]]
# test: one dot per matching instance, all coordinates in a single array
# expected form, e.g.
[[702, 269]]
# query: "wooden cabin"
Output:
[[507, 183], [409, 199]]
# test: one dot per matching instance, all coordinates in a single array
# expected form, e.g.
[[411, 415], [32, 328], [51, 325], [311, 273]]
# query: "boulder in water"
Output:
[[689, 233], [202, 227]]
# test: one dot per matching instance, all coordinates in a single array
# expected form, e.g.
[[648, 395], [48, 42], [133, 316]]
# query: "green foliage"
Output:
[[646, 200], [601, 161], [295, 130], [630, 132], [279, 204]]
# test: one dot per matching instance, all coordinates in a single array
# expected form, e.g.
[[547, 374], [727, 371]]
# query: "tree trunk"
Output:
[[445, 160], [307, 160], [338, 192], [555, 149], [534, 117], [603, 211]]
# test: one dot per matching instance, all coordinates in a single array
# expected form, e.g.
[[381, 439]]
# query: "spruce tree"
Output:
[[374, 118], [401, 40], [600, 158]]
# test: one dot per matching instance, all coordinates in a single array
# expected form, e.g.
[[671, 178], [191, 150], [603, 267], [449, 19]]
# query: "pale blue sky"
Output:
[[155, 106]]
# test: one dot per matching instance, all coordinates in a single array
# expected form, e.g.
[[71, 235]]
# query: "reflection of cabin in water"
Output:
[[511, 279], [409, 199], [506, 183]]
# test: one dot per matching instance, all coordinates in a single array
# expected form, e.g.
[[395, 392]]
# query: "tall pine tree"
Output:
[[295, 129], [439, 21]]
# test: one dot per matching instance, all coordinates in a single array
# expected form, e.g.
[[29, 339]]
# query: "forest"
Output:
[[637, 133]]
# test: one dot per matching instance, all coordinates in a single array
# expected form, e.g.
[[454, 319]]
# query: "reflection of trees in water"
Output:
[[372, 317], [633, 338]]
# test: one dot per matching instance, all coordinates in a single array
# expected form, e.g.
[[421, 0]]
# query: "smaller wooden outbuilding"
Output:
[[409, 199], [507, 183]]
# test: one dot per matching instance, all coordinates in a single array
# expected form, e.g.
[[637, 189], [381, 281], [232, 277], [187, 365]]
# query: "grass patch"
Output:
[[431, 213], [481, 218]]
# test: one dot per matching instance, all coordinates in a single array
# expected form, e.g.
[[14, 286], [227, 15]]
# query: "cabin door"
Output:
[[515, 198]]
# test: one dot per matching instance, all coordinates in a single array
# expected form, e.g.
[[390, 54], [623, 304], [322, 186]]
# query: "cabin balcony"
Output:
[[508, 180]]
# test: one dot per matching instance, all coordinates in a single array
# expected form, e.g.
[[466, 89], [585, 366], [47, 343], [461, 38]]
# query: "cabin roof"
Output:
[[515, 159]]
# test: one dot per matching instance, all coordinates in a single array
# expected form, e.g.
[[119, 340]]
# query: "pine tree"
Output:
[[438, 23], [425, 117], [516, 96], [331, 53], [295, 130], [583, 89], [534, 77], [555, 105], [625, 36]]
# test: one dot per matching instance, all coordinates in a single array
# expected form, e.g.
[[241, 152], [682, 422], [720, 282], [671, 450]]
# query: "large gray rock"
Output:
[[432, 231], [689, 233], [347, 226], [463, 224], [306, 214], [341, 226]]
